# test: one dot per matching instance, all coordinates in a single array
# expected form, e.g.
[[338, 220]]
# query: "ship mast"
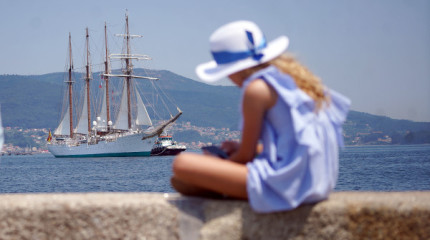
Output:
[[70, 83], [128, 72], [107, 81], [87, 80]]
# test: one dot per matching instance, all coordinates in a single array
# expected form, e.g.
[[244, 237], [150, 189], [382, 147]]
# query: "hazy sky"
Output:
[[376, 52]]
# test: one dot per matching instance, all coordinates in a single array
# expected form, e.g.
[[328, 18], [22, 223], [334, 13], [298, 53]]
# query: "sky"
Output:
[[377, 53]]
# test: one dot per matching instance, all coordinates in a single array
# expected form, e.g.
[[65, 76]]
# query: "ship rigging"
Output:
[[132, 131]]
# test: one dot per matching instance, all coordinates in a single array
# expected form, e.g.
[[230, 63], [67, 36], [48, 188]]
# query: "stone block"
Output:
[[345, 215]]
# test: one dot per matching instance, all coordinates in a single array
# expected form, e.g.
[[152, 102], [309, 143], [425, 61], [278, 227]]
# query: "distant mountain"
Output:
[[364, 128], [27, 101], [35, 102]]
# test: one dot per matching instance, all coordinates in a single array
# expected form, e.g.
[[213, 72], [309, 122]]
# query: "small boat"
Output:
[[164, 146]]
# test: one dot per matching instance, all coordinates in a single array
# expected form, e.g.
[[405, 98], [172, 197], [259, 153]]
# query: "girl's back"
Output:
[[299, 161]]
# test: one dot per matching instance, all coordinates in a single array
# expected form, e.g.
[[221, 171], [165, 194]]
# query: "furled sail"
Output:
[[82, 126], [103, 113], [122, 118], [64, 128], [142, 114]]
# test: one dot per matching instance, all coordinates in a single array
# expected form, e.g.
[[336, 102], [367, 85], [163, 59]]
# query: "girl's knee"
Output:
[[181, 163]]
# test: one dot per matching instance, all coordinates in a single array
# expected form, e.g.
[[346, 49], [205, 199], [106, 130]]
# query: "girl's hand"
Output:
[[230, 147]]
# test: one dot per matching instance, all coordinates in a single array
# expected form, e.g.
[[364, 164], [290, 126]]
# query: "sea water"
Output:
[[365, 168], [384, 168]]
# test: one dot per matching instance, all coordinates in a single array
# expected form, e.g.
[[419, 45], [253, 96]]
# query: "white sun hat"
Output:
[[237, 46]]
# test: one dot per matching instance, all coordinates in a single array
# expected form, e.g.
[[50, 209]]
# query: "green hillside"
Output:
[[35, 102], [364, 128], [29, 103]]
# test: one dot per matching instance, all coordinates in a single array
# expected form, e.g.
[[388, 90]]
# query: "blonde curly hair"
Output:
[[304, 79]]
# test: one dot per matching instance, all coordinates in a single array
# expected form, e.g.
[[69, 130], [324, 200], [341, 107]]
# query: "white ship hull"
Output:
[[126, 146]]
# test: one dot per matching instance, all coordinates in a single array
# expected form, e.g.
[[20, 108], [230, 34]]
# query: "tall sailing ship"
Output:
[[130, 133]]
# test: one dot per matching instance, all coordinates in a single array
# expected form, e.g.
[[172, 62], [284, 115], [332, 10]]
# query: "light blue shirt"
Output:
[[299, 162]]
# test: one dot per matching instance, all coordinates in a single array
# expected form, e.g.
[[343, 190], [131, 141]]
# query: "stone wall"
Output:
[[346, 215]]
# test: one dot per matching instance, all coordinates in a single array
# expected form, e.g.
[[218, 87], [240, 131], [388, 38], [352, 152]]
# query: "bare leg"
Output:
[[196, 173], [191, 190]]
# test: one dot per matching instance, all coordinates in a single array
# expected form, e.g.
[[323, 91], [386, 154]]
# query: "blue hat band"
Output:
[[224, 57]]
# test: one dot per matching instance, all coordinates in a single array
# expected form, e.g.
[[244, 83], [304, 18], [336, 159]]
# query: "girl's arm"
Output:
[[230, 147], [258, 98]]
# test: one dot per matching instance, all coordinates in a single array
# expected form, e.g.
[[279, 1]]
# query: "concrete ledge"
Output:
[[346, 215]]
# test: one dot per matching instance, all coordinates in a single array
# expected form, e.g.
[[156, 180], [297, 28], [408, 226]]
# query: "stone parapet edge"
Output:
[[345, 215]]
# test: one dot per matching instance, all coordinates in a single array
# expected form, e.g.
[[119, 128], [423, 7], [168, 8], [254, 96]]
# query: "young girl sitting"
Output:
[[286, 109]]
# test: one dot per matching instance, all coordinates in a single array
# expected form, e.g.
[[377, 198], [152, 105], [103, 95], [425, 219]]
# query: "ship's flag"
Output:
[[49, 136]]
